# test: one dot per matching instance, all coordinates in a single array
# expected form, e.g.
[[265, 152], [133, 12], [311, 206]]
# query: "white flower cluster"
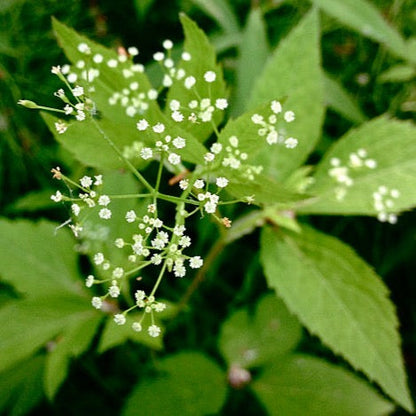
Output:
[[383, 200], [268, 126], [133, 101], [342, 173]]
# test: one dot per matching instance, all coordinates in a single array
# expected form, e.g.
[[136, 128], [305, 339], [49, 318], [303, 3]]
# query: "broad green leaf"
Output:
[[253, 52], [203, 59], [27, 325], [36, 258], [34, 201], [364, 17], [293, 71], [398, 73], [221, 12], [339, 298], [297, 382], [21, 387], [73, 342], [339, 100], [189, 384], [391, 144], [251, 341], [114, 335]]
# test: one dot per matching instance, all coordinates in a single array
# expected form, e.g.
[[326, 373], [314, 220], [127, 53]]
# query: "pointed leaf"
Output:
[[339, 100], [189, 384], [72, 343], [293, 71], [253, 52], [21, 387], [338, 297], [298, 382], [249, 341], [364, 17], [391, 144], [30, 324], [36, 258]]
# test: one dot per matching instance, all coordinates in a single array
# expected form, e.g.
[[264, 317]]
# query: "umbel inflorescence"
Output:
[[159, 244]]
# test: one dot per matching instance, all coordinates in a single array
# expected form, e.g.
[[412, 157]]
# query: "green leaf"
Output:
[[298, 382], [338, 297], [221, 12], [364, 17], [398, 73], [21, 387], [36, 258], [34, 201], [189, 384], [253, 52], [340, 101], [391, 143], [293, 71], [30, 324], [114, 335], [73, 342], [203, 59], [250, 341]]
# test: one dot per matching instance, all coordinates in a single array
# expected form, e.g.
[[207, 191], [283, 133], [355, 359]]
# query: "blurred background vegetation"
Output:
[[98, 385]]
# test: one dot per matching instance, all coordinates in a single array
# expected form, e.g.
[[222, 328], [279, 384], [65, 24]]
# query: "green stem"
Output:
[[159, 279]]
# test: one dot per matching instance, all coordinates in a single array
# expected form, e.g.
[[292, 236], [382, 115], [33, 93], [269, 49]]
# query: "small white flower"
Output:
[[84, 48], [183, 184], [221, 182], [131, 111], [394, 193], [257, 119], [96, 302], [189, 82], [131, 216], [89, 281], [97, 58], [216, 148], [291, 143], [193, 104], [142, 125], [186, 56], [68, 109], [174, 105], [104, 200], [56, 70], [112, 63], [159, 128], [179, 142], [159, 306], [156, 259], [289, 116], [199, 184], [136, 326], [75, 208], [154, 331], [119, 319], [146, 153], [72, 77], [184, 241], [114, 291], [118, 273], [272, 137], [210, 76], [233, 141], [371, 163], [159, 56], [174, 159], [179, 230], [86, 181], [276, 107], [336, 162], [177, 116], [221, 103], [78, 91], [119, 243], [195, 262], [209, 157], [99, 259], [151, 208], [80, 116], [57, 197], [105, 214], [210, 207], [61, 127], [167, 44], [133, 51], [167, 81]]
